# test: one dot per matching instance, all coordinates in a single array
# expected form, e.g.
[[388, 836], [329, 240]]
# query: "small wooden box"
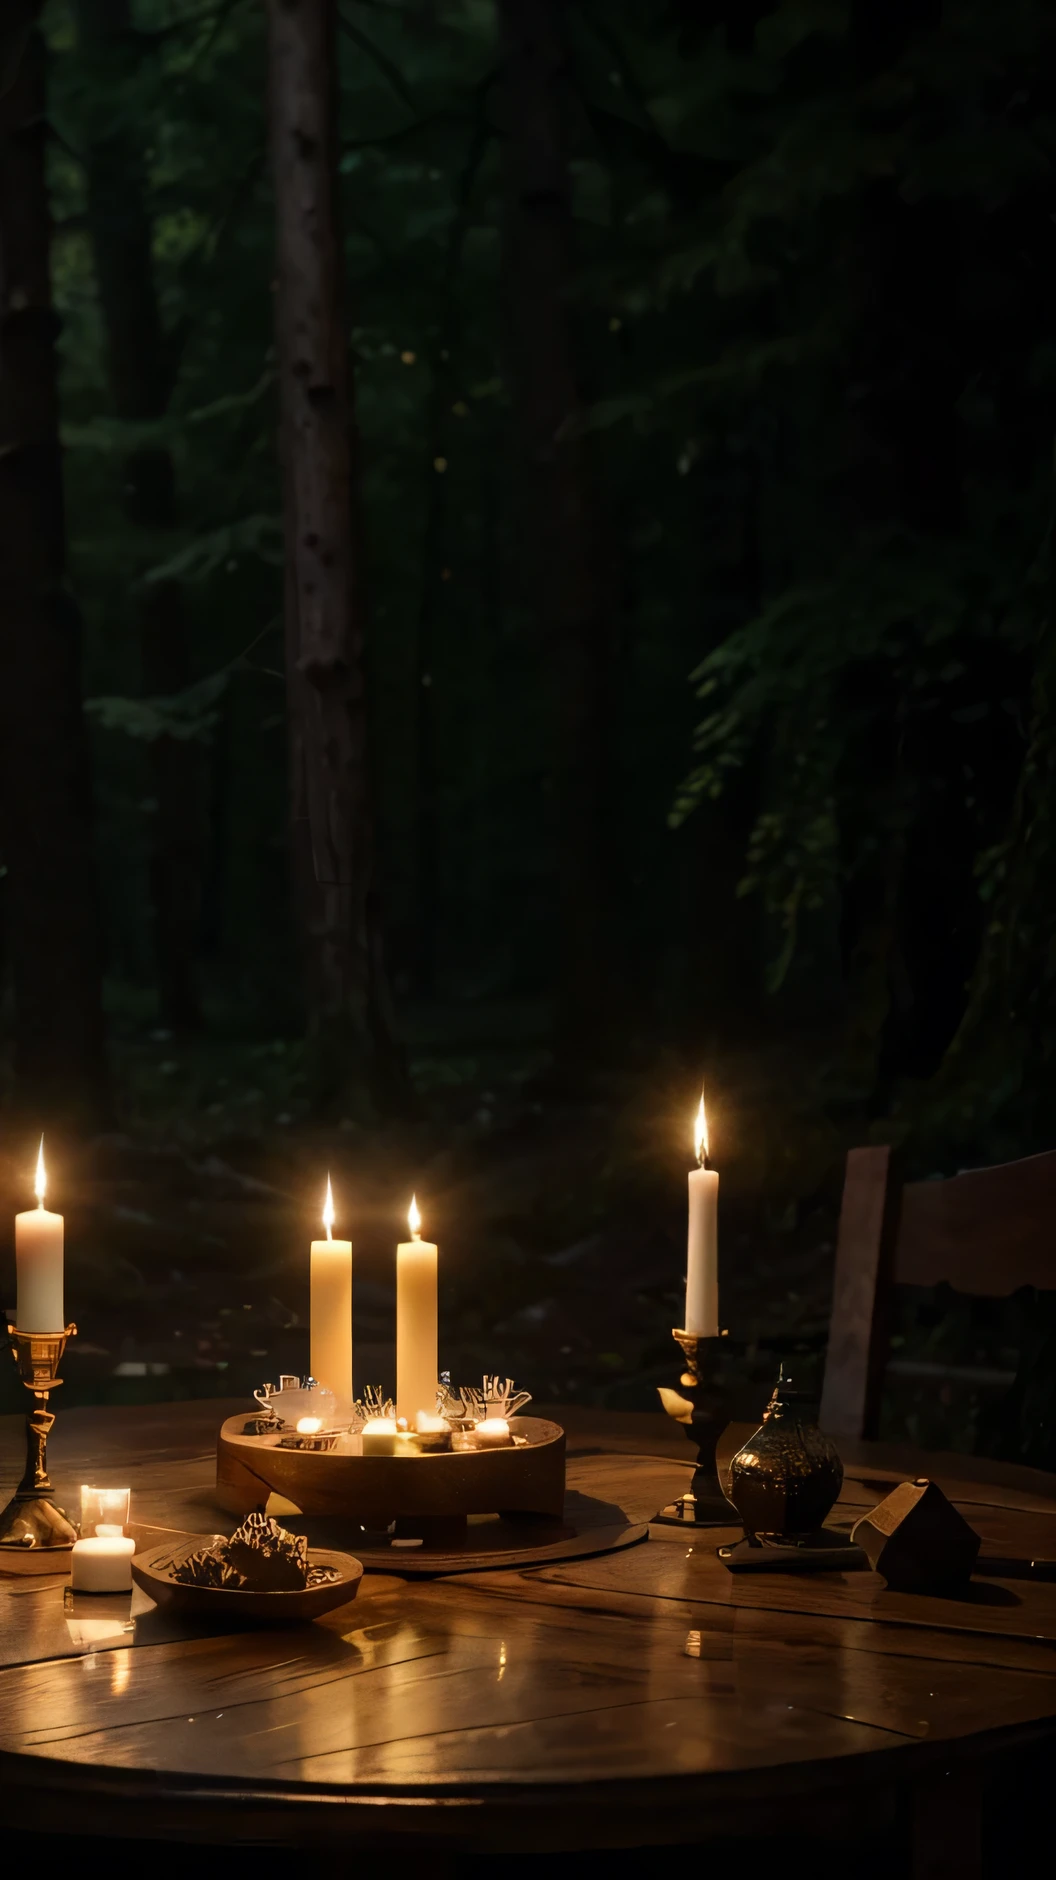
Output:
[[918, 1539]]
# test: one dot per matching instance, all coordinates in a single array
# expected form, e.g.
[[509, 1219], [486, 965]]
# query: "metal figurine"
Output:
[[35, 1536], [698, 1404]]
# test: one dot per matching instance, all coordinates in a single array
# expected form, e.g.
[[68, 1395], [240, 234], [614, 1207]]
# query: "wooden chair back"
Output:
[[987, 1232]]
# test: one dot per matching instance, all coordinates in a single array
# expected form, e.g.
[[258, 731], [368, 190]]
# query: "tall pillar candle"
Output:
[[416, 1323], [331, 1309], [38, 1261], [702, 1249]]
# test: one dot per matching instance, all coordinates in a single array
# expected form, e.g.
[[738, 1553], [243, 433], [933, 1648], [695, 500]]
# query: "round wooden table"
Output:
[[637, 1699]]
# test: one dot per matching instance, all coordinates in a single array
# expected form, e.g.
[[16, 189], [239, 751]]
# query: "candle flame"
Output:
[[328, 1210], [309, 1426], [700, 1134], [414, 1219], [40, 1185]]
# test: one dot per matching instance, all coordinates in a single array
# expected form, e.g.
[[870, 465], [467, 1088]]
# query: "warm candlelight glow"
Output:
[[328, 1210], [40, 1185], [309, 1426], [492, 1433], [414, 1219], [700, 1134], [380, 1426], [104, 1511]]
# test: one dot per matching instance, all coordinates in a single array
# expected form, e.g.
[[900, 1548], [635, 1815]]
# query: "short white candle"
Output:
[[492, 1433], [103, 1564], [416, 1332], [702, 1250], [381, 1437], [38, 1259], [331, 1308]]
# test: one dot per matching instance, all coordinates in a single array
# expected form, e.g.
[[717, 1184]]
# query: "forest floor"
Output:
[[560, 1219]]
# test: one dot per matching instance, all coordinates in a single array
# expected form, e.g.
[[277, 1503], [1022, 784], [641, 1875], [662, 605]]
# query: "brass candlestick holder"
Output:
[[35, 1536], [698, 1405]]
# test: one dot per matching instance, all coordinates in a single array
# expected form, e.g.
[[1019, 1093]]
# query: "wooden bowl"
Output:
[[153, 1572], [528, 1478]]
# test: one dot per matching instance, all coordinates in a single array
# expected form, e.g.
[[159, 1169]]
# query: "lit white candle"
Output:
[[103, 1563], [103, 1510], [102, 1558], [416, 1335], [331, 1308], [702, 1251], [38, 1259]]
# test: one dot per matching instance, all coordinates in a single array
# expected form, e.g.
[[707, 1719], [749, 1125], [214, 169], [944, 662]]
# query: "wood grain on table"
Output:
[[639, 1697]]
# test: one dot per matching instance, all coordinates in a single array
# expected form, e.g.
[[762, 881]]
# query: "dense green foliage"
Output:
[[814, 321]]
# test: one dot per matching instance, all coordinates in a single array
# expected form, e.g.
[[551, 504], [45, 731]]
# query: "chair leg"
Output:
[[946, 1827]]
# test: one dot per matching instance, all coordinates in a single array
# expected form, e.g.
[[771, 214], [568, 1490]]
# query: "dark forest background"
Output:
[[673, 694]]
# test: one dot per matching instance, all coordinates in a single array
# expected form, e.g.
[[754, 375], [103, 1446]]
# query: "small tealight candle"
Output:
[[493, 1433], [103, 1510], [381, 1437], [102, 1558], [104, 1563], [309, 1426], [431, 1434]]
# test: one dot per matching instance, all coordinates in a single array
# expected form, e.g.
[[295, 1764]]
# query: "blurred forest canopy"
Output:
[[811, 301]]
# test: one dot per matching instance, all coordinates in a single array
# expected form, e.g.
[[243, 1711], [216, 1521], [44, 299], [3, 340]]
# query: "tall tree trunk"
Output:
[[558, 531], [356, 1061], [141, 364], [60, 1061], [903, 476], [428, 908]]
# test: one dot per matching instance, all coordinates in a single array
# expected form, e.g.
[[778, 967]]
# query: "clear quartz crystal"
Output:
[[497, 1397]]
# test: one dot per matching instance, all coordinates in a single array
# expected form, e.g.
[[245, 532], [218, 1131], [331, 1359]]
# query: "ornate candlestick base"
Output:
[[35, 1536], [698, 1406]]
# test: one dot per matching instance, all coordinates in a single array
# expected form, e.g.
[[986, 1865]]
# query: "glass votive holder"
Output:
[[103, 1510]]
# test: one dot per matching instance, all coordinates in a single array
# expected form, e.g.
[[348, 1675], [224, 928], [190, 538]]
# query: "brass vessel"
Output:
[[785, 1479]]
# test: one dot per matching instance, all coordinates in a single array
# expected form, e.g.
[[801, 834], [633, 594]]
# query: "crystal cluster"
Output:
[[371, 1405], [260, 1557], [468, 1403]]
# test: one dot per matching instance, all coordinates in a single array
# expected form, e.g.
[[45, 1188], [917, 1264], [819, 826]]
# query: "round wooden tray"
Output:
[[153, 1572], [526, 1479], [504, 1543]]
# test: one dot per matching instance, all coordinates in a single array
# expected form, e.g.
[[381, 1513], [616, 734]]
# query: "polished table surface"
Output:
[[635, 1698]]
